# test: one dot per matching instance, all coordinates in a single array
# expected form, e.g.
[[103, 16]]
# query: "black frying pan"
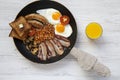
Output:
[[43, 4]]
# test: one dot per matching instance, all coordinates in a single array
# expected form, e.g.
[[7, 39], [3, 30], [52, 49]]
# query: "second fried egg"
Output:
[[62, 30]]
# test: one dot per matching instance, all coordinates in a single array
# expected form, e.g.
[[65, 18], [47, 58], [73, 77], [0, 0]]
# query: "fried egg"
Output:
[[62, 30], [52, 15]]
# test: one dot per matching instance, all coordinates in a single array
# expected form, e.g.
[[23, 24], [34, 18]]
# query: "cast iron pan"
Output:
[[32, 8]]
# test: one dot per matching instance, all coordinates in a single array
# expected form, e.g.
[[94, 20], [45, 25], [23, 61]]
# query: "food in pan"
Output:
[[20, 28], [63, 30], [41, 35], [35, 23], [60, 22], [64, 20], [14, 34], [36, 17]]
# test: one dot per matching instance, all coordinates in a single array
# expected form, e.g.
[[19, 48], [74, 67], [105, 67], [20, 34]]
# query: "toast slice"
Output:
[[15, 35], [20, 26]]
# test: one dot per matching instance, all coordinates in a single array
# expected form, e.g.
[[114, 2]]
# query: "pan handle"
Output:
[[90, 62]]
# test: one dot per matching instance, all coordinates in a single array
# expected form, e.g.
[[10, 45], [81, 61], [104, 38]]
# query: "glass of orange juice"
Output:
[[94, 30]]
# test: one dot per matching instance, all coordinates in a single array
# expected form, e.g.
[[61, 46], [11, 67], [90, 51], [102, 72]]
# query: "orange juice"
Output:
[[94, 30]]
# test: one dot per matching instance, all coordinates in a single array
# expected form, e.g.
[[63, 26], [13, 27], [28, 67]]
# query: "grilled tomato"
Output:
[[64, 19]]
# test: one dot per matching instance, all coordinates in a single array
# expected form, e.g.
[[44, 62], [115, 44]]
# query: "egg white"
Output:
[[47, 13], [67, 32]]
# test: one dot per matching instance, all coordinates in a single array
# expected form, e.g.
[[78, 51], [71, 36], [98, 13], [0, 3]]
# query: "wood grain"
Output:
[[13, 66]]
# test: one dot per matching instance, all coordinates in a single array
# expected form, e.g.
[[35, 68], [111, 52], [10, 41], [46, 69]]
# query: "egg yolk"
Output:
[[56, 15], [94, 30], [60, 28]]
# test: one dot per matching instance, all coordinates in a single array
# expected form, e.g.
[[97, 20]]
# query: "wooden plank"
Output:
[[13, 66], [68, 69]]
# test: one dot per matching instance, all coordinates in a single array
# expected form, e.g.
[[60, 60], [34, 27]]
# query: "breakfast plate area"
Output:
[[13, 66]]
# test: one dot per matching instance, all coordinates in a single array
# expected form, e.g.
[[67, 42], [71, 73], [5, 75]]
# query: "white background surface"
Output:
[[13, 66]]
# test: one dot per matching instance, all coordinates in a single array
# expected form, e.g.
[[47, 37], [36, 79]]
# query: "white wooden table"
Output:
[[13, 66]]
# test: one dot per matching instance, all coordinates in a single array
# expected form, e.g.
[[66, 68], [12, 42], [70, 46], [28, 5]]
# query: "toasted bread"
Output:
[[15, 35], [20, 26]]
